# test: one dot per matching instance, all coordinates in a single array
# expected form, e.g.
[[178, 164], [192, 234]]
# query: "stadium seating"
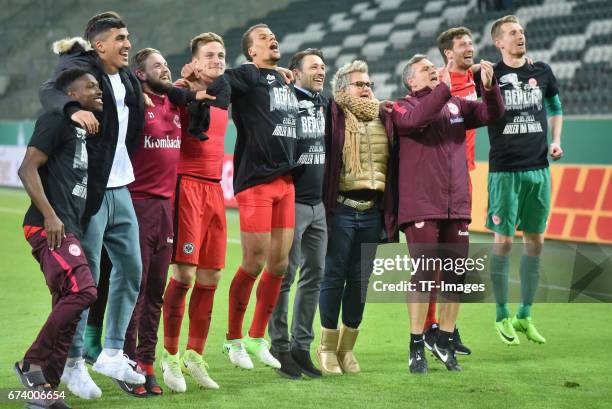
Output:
[[574, 37], [29, 27]]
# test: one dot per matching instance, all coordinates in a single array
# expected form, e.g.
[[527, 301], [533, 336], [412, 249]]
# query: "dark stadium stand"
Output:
[[574, 37]]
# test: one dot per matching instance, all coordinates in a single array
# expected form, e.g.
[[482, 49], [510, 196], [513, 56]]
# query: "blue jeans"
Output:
[[115, 226], [344, 283]]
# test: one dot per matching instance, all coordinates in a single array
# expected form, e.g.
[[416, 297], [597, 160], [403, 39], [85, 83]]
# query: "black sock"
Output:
[[416, 341], [444, 339], [25, 366]]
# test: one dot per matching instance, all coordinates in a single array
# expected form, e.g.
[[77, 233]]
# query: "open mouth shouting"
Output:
[[274, 47]]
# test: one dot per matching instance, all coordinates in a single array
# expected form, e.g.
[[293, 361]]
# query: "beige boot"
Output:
[[326, 352], [346, 343]]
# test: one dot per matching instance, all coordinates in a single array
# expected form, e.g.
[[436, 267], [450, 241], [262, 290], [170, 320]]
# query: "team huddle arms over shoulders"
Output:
[[125, 158]]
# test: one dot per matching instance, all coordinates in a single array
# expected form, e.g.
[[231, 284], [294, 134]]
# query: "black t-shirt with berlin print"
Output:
[[519, 139], [310, 153], [265, 112]]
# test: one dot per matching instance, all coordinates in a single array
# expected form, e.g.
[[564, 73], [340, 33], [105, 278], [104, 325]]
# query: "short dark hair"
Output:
[[101, 23], [139, 59], [445, 40], [246, 40], [295, 63], [68, 77]]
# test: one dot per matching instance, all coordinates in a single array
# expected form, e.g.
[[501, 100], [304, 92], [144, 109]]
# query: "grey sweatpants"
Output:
[[115, 226], [308, 255]]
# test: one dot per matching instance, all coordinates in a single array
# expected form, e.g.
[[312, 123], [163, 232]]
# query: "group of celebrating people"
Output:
[[123, 156]]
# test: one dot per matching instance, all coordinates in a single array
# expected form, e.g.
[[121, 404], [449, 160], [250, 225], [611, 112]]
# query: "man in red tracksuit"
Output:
[[155, 165], [434, 201]]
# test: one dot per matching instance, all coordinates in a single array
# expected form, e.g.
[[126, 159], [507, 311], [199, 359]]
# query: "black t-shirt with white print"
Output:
[[310, 154], [64, 176], [265, 111], [519, 139]]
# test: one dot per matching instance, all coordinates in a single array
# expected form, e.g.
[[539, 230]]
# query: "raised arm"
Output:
[[242, 78], [477, 114], [418, 117], [54, 100]]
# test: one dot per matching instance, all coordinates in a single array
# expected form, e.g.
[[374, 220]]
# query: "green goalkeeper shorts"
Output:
[[519, 201]]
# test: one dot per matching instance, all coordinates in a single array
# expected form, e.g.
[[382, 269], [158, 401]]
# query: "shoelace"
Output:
[[239, 348], [201, 363], [203, 366], [175, 367], [127, 360], [128, 364]]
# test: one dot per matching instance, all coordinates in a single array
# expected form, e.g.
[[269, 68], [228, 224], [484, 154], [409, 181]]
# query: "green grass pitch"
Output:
[[572, 371]]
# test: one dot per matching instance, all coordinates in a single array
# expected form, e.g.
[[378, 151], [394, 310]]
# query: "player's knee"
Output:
[[209, 277], [215, 277], [278, 267], [130, 271], [533, 244], [184, 273], [253, 266], [136, 267], [254, 260], [503, 245]]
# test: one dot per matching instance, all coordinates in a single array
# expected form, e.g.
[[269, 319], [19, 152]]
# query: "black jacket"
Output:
[[75, 53]]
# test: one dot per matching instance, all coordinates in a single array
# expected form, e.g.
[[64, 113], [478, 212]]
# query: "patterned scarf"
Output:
[[355, 109]]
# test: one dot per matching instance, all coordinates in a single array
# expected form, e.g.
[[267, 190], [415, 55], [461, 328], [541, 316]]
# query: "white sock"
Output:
[[111, 351]]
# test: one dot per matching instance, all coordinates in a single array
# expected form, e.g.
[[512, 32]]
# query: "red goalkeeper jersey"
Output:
[[463, 86]]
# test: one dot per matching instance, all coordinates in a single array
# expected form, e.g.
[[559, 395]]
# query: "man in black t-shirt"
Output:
[[519, 178], [109, 219], [265, 111], [54, 173], [310, 236]]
